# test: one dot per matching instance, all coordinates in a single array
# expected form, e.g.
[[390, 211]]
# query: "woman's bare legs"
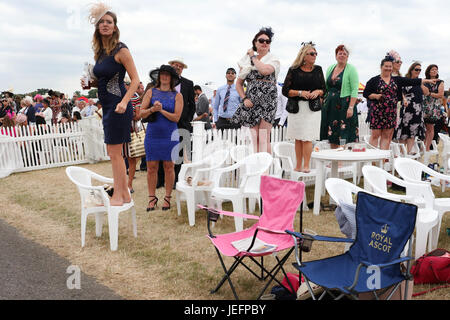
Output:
[[429, 135], [152, 177], [169, 174], [131, 171], [374, 137], [386, 138], [307, 151], [121, 194], [299, 155]]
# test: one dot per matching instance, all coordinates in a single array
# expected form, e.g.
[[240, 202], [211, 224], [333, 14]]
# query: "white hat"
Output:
[[97, 11], [179, 60]]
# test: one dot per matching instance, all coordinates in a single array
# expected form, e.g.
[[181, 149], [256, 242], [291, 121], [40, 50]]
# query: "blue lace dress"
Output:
[[162, 137], [111, 89]]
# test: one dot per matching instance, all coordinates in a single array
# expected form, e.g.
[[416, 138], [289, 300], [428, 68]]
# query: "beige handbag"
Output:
[[136, 147]]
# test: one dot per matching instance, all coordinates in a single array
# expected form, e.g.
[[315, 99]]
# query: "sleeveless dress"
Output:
[[432, 106], [262, 91], [162, 137], [111, 89], [383, 114], [411, 122], [335, 125]]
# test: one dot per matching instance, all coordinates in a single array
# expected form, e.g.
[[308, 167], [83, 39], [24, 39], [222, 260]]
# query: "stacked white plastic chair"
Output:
[[254, 166], [411, 170], [95, 200], [416, 193], [196, 178], [445, 139]]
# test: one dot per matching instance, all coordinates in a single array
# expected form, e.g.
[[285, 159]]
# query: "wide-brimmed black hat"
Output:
[[154, 74]]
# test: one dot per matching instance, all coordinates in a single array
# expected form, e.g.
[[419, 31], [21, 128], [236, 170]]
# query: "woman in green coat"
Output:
[[339, 115]]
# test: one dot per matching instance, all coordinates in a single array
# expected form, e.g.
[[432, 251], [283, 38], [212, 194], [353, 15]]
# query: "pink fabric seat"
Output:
[[280, 201]]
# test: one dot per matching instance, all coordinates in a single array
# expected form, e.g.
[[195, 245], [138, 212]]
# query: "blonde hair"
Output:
[[299, 60], [97, 43]]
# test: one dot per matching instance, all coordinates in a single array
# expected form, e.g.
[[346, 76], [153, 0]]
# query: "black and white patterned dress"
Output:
[[262, 91], [411, 123]]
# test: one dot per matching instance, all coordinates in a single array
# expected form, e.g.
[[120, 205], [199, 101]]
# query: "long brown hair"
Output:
[[411, 68], [97, 43]]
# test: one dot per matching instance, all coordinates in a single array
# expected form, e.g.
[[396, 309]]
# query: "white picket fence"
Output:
[[27, 148]]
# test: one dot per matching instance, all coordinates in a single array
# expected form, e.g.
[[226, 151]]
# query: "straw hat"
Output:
[[179, 60]]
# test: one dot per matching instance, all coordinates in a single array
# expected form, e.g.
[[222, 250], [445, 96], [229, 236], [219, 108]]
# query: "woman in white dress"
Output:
[[304, 82]]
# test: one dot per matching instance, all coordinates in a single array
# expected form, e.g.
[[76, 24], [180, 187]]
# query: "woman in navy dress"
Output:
[[162, 138], [113, 60]]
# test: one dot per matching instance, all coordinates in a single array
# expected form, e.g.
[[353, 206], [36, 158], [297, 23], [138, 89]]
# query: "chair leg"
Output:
[[133, 220], [238, 206], [421, 241], [113, 224], [83, 227], [190, 202], [178, 196], [435, 232], [98, 224]]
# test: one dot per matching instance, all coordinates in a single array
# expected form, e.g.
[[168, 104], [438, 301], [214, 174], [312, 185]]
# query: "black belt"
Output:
[[226, 119]]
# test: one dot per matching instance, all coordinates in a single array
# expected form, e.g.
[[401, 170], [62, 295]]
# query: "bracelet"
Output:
[[252, 57]]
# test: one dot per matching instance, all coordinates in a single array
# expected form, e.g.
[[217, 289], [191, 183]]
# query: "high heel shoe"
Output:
[[154, 201], [168, 201]]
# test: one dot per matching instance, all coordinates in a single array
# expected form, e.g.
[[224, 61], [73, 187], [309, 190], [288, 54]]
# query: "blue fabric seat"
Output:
[[373, 260]]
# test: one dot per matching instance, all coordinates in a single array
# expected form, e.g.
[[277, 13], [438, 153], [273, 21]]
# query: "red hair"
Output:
[[341, 48]]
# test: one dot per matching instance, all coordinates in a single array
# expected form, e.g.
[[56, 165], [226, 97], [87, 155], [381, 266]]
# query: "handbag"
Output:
[[433, 267], [315, 104], [136, 148], [292, 105]]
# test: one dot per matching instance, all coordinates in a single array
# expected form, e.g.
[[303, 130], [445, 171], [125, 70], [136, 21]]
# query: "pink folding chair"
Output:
[[280, 201]]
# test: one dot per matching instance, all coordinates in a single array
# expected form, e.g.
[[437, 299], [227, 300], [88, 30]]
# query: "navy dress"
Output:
[[162, 137], [111, 89]]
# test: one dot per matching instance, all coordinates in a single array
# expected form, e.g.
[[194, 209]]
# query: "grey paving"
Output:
[[30, 271]]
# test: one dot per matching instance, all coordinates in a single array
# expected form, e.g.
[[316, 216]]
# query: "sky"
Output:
[[44, 44]]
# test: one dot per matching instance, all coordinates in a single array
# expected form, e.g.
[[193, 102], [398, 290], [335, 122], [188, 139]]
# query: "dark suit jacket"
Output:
[[187, 90], [31, 114]]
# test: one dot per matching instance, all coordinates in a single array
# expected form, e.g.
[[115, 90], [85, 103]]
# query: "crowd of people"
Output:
[[323, 106]]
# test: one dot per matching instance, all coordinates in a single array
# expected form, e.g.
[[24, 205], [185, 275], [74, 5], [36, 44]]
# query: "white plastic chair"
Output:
[[445, 151], [427, 154], [82, 178], [285, 152], [201, 181], [416, 193], [411, 170], [254, 165]]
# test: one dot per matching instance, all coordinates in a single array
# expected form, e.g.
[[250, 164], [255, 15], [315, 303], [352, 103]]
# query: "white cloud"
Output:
[[47, 41]]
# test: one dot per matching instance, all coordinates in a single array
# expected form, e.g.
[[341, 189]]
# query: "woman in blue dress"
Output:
[[113, 60], [165, 105]]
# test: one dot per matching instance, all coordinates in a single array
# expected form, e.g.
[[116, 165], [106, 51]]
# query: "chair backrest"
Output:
[[383, 228], [375, 178], [409, 169], [280, 202], [215, 146], [79, 176], [341, 191], [285, 151], [255, 166], [238, 153]]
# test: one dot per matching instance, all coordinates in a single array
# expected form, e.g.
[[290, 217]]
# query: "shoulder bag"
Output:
[[292, 105], [315, 104], [136, 148]]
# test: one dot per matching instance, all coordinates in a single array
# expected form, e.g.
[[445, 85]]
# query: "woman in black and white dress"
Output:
[[259, 102], [304, 81]]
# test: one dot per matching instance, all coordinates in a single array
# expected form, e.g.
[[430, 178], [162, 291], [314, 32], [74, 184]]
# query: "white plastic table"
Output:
[[335, 156]]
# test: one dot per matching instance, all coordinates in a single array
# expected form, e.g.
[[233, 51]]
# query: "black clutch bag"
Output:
[[315, 104], [292, 106], [150, 118]]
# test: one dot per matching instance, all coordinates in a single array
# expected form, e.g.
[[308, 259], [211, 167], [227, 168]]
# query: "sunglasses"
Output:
[[312, 54], [418, 70], [398, 61], [268, 41]]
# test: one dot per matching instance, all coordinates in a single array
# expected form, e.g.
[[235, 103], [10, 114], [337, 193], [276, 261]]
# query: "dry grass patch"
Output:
[[169, 260]]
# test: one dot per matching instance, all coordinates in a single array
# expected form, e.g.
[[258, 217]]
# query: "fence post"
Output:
[[198, 135]]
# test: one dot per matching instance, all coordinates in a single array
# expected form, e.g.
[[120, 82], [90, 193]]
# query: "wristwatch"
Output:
[[299, 93]]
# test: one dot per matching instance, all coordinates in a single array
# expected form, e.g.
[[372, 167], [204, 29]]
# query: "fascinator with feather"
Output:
[[97, 11]]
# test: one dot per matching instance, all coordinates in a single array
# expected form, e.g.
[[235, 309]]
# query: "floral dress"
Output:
[[262, 91], [335, 125], [383, 112], [432, 106], [411, 123]]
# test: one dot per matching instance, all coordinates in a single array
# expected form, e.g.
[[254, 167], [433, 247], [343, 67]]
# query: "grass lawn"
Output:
[[169, 260]]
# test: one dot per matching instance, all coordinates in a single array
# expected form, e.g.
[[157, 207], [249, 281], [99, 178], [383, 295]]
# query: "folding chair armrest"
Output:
[[387, 264], [319, 238]]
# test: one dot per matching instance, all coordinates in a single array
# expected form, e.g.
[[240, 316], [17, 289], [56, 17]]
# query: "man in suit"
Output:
[[186, 88], [202, 107]]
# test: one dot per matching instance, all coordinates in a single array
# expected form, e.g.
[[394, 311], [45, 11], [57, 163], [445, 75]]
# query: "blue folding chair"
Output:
[[373, 263]]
